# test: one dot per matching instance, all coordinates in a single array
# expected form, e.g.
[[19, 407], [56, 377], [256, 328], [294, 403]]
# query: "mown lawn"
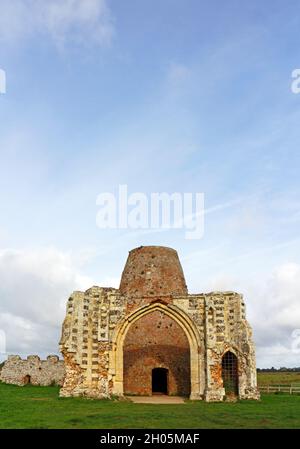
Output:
[[40, 407]]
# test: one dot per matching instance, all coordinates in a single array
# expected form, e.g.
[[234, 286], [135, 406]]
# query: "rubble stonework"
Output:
[[113, 339], [33, 370]]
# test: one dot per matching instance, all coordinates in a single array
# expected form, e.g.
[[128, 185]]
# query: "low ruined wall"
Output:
[[33, 370]]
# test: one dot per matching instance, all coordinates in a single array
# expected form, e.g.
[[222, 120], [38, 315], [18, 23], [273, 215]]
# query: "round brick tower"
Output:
[[152, 271]]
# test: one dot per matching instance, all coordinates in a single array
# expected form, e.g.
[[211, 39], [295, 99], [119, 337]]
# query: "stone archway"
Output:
[[183, 320], [156, 344]]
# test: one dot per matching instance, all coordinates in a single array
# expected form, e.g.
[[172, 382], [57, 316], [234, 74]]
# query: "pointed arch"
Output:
[[230, 372], [184, 321]]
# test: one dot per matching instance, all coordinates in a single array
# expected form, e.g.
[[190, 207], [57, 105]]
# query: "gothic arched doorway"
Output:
[[156, 357], [230, 373]]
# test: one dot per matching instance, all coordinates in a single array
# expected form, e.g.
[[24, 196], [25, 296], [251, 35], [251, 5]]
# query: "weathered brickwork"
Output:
[[33, 370], [113, 339], [150, 273], [156, 341]]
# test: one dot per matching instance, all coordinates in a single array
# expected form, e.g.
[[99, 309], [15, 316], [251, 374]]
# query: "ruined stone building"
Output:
[[151, 337], [33, 370]]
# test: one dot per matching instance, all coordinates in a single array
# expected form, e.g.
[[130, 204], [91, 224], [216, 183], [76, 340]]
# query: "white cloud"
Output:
[[79, 21], [273, 310], [110, 281], [277, 308], [34, 288]]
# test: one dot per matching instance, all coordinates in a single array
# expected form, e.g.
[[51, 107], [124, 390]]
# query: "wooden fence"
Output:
[[280, 388]]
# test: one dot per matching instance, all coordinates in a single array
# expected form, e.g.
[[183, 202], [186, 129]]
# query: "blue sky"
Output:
[[174, 96]]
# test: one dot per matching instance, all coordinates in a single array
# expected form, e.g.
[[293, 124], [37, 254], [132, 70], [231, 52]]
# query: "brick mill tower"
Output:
[[151, 337]]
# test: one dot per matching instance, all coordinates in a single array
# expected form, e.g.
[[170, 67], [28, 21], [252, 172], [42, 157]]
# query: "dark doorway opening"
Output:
[[230, 373], [159, 381], [27, 380]]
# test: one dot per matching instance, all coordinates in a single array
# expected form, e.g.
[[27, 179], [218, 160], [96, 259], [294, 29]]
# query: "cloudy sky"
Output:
[[162, 96]]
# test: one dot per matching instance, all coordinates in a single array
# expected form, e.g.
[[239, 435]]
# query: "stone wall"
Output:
[[33, 370], [108, 332], [86, 341]]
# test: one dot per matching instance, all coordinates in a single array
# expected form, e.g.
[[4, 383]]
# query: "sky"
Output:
[[160, 96]]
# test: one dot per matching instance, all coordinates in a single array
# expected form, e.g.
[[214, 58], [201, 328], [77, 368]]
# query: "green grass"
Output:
[[278, 378], [40, 407]]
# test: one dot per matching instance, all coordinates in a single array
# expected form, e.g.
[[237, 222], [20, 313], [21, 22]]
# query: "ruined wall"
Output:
[[99, 321], [226, 329], [86, 341], [156, 341], [33, 370]]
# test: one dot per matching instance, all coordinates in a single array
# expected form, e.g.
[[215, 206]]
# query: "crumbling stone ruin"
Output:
[[33, 370], [151, 337]]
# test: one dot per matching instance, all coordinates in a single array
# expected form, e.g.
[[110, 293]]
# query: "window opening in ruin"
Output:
[[230, 373], [211, 316], [160, 381]]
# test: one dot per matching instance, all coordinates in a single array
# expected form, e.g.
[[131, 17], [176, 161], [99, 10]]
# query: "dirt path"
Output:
[[159, 399]]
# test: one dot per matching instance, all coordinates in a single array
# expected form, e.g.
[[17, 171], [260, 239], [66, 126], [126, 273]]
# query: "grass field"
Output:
[[278, 378], [40, 407]]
